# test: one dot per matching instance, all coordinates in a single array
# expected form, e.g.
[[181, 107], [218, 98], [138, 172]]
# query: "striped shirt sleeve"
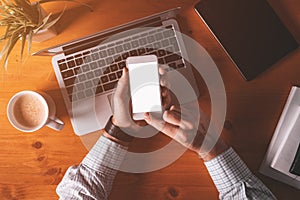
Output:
[[93, 178], [234, 180]]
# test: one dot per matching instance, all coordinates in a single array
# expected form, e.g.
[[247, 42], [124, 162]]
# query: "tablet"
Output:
[[249, 31]]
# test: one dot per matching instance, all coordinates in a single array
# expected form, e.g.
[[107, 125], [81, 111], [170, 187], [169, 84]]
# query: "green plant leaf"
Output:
[[12, 41], [78, 2], [23, 38], [30, 34]]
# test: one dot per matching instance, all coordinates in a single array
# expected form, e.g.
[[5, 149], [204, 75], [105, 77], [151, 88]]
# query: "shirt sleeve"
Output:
[[93, 178], [234, 180]]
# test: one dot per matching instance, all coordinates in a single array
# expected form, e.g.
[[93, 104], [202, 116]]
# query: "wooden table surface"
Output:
[[31, 165]]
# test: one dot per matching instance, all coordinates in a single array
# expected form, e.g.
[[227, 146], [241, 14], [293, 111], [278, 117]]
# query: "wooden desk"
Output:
[[31, 165]]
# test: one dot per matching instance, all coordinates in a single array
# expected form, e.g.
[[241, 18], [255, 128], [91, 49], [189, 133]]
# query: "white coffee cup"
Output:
[[29, 111]]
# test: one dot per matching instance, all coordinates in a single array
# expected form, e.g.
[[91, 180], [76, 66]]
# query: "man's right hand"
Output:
[[181, 125]]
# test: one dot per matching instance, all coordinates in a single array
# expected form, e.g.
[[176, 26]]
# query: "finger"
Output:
[[166, 97], [166, 128], [175, 108], [172, 117], [186, 118], [162, 69], [123, 85]]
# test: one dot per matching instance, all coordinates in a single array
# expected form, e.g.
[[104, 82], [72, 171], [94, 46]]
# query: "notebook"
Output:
[[88, 69], [249, 31]]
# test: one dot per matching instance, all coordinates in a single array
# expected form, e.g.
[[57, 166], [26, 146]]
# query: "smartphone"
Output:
[[144, 85]]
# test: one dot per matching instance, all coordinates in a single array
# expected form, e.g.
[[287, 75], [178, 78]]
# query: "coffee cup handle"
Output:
[[55, 124]]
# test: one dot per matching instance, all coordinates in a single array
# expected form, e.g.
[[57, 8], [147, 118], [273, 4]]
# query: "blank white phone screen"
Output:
[[144, 87]]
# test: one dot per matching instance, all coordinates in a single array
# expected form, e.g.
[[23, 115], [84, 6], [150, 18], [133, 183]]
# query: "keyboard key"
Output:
[[119, 74], [150, 38], [96, 81], [70, 58], [161, 61], [103, 54], [168, 33], [109, 86], [86, 53], [79, 61], [141, 51], [158, 36], [80, 86], [119, 48], [101, 63], [99, 89], [88, 84], [80, 95], [85, 68], [172, 57], [172, 65], [125, 55], [63, 66], [95, 56], [161, 53], [89, 93], [67, 74], [127, 46], [90, 75], [142, 41], [77, 70], [109, 60], [133, 53], [104, 79], [111, 51], [87, 59], [71, 64], [134, 43], [114, 67], [106, 70], [98, 72], [117, 58], [165, 42], [93, 65], [61, 61], [149, 48], [82, 77], [170, 50], [112, 76], [122, 65], [157, 45], [70, 81]]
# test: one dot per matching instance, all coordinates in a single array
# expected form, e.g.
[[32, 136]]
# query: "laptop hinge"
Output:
[[96, 38]]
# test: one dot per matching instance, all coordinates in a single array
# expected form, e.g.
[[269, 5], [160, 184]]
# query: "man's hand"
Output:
[[181, 125], [121, 104], [121, 101]]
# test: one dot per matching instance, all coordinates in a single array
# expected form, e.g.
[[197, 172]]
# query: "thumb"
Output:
[[123, 85]]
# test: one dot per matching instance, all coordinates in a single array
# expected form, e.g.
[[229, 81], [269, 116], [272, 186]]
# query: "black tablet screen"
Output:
[[250, 31]]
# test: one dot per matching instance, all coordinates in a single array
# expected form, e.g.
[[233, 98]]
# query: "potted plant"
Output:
[[24, 19]]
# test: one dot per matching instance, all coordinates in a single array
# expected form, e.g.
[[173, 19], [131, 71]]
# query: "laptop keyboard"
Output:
[[97, 70]]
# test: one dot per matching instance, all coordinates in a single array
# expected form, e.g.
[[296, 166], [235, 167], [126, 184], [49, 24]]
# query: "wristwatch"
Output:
[[116, 131]]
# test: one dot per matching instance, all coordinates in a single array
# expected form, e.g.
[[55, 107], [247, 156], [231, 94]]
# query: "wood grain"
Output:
[[31, 165]]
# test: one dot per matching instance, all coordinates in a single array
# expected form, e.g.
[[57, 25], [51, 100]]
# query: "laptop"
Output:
[[88, 69]]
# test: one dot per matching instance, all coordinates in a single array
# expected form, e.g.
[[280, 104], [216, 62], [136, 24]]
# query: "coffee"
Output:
[[29, 111]]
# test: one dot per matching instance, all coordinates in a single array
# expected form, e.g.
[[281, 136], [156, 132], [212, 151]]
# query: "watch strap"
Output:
[[117, 132]]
